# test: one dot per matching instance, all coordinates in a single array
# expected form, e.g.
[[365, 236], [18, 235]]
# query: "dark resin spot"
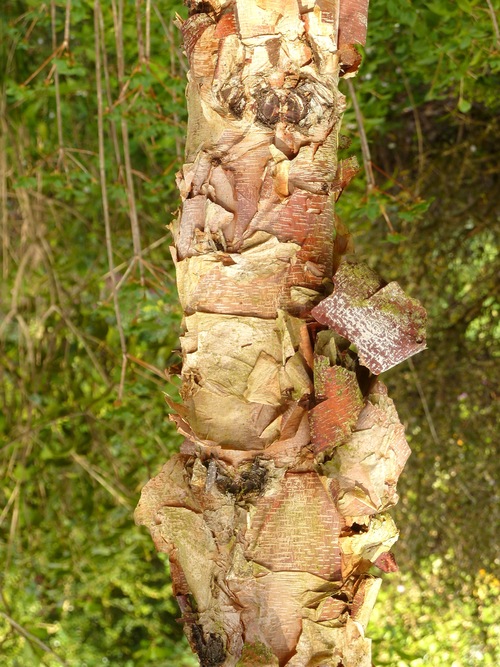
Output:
[[268, 108], [210, 649], [295, 108]]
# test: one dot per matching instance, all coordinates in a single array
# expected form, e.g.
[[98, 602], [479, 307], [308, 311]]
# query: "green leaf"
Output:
[[464, 106], [395, 238]]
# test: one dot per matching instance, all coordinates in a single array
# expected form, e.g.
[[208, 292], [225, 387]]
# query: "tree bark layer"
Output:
[[273, 512]]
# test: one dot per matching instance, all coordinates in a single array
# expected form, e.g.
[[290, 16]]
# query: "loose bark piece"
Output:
[[366, 469], [386, 562], [333, 419], [353, 22], [271, 512], [386, 325]]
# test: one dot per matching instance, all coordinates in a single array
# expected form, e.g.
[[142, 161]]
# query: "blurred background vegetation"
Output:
[[83, 424]]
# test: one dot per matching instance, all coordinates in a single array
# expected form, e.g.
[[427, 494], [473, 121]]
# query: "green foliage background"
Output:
[[79, 583]]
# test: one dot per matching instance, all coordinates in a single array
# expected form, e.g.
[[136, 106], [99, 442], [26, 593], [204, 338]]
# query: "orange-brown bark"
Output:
[[273, 512]]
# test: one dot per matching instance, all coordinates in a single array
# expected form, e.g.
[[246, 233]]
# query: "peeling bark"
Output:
[[274, 510]]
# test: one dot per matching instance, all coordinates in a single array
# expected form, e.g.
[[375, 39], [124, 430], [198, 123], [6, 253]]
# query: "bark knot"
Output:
[[274, 105]]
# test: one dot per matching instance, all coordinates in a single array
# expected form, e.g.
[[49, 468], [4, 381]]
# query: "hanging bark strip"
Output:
[[273, 512]]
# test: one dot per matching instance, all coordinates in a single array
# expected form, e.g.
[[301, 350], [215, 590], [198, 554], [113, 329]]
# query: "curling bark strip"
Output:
[[274, 510]]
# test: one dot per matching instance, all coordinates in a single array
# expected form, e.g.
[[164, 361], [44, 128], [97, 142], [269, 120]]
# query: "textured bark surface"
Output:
[[274, 510]]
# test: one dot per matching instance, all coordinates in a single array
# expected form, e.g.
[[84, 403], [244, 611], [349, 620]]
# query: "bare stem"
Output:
[[83, 463], [3, 186], [134, 221], [140, 41], [147, 49], [105, 68], [104, 193], [418, 130], [30, 637], [67, 24], [60, 137], [365, 149], [424, 402], [494, 22]]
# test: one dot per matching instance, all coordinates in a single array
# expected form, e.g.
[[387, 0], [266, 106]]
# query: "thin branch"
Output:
[[134, 221], [47, 60], [79, 164], [149, 367], [67, 24], [173, 60], [105, 68], [74, 330], [140, 41], [430, 422], [31, 638], [12, 498], [97, 476], [494, 22], [125, 276], [424, 402], [33, 430], [418, 130], [365, 149], [12, 532], [27, 257], [60, 137], [104, 195], [180, 57], [24, 329], [147, 48], [153, 245], [3, 185], [386, 218]]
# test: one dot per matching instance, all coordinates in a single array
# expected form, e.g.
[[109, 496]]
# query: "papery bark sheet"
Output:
[[274, 510]]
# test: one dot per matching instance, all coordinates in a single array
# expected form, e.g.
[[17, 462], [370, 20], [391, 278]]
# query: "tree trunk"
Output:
[[272, 512]]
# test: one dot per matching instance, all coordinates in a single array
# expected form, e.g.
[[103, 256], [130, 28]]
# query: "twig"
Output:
[[3, 186], [153, 245], [494, 21], [12, 533], [140, 41], [33, 430], [105, 68], [391, 177], [31, 638], [173, 60], [24, 329], [387, 219], [18, 281], [424, 402], [418, 130], [365, 149], [67, 23], [12, 498], [47, 60], [149, 367], [74, 330], [97, 476], [64, 46], [134, 221], [126, 274], [79, 164], [147, 49], [430, 422], [104, 196]]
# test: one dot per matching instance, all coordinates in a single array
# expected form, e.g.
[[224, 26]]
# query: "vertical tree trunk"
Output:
[[272, 513]]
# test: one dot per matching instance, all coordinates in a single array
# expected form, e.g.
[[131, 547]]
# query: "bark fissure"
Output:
[[274, 510]]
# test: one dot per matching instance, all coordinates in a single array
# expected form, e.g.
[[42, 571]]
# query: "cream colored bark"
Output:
[[274, 510]]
